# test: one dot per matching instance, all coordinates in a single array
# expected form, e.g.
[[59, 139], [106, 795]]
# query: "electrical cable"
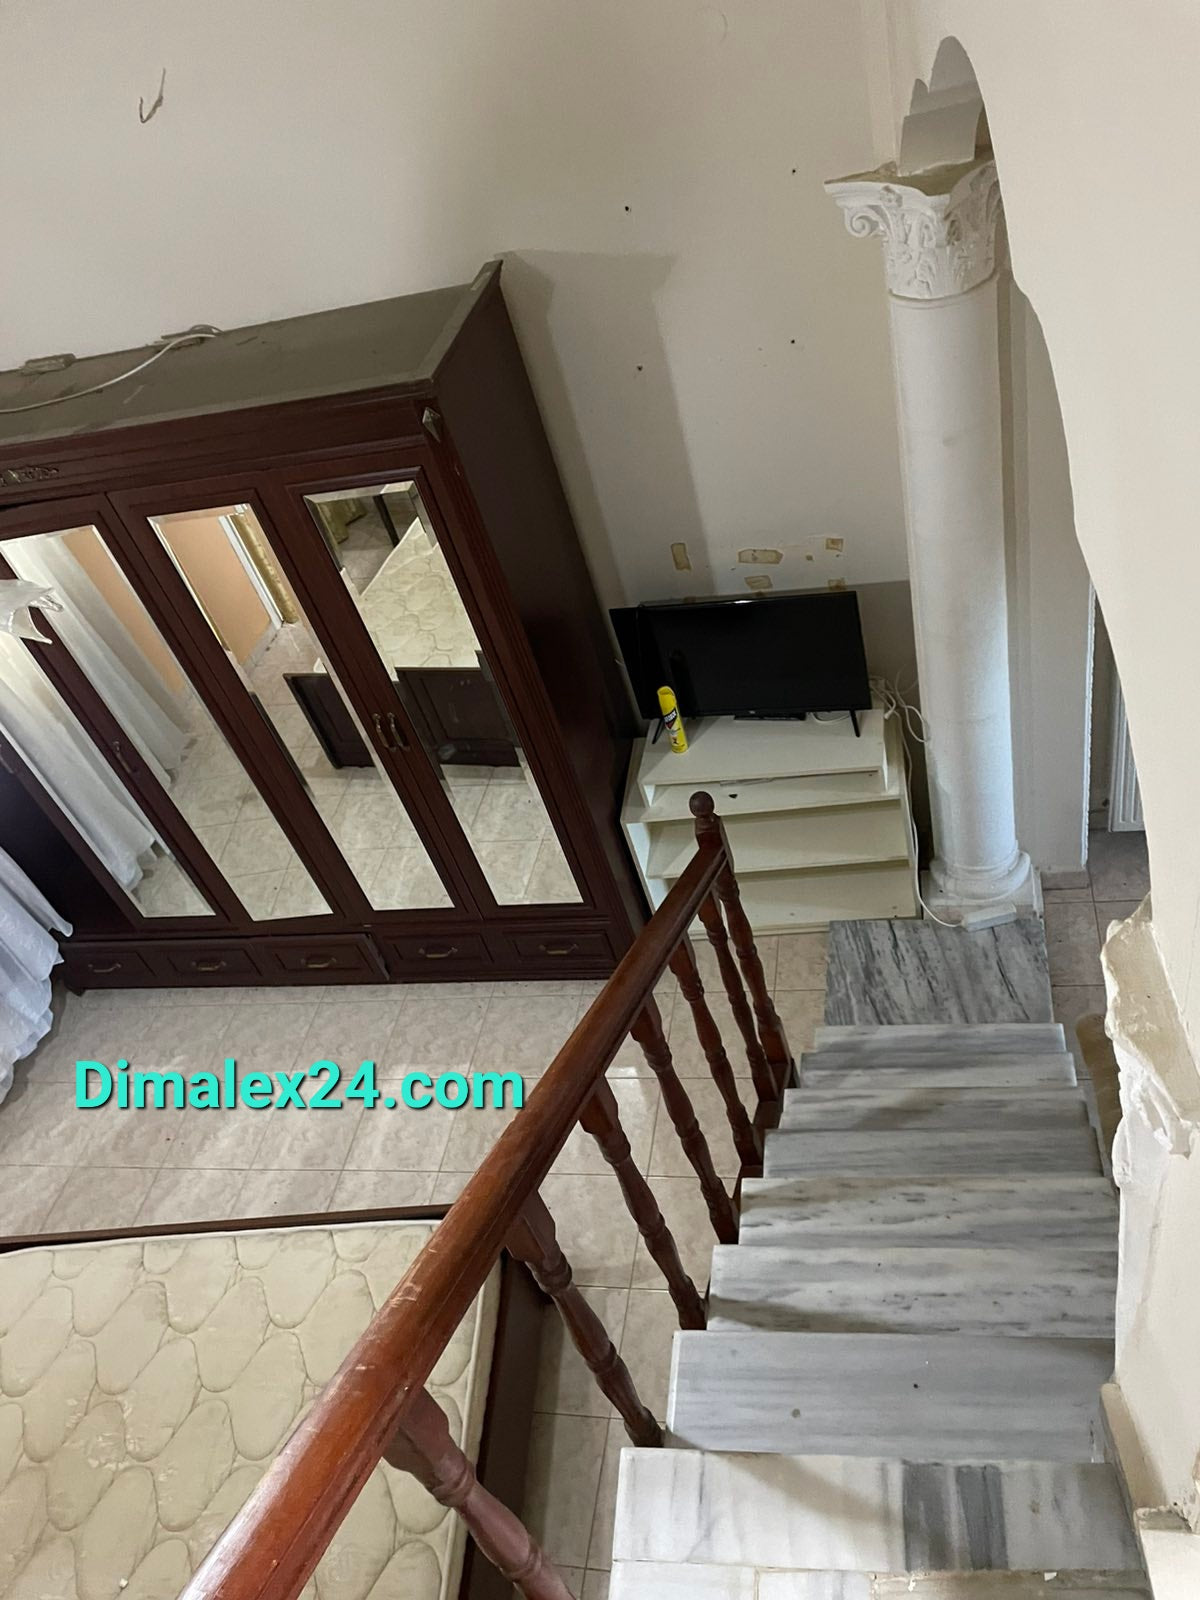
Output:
[[78, 394], [895, 704]]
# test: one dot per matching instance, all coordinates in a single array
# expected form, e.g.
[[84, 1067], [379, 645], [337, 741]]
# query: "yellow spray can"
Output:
[[672, 721]]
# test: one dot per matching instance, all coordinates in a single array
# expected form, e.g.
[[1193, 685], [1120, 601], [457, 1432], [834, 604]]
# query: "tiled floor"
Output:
[[1079, 908], [61, 1168]]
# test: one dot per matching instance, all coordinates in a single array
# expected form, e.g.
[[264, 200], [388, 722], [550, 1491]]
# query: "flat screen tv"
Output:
[[781, 655]]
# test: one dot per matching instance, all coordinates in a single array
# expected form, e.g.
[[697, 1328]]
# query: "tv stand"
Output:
[[817, 815]]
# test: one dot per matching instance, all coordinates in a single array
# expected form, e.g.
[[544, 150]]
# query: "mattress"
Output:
[[146, 1385]]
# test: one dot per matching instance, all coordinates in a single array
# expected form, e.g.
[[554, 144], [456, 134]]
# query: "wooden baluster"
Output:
[[534, 1241], [747, 1139], [770, 1028], [423, 1446], [600, 1118], [647, 1031], [765, 1088]]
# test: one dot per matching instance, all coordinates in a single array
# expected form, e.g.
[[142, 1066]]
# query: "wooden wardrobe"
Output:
[[329, 697]]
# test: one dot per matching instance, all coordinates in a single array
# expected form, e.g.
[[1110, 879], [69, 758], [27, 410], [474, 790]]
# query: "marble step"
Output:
[[820, 1069], [886, 1105], [1079, 1212], [1034, 1038], [969, 1152], [857, 1514], [1035, 1292], [922, 1397], [661, 1580]]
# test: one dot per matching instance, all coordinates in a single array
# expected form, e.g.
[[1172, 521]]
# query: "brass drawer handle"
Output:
[[558, 949], [400, 742], [128, 767], [317, 963], [217, 965], [109, 966], [432, 953]]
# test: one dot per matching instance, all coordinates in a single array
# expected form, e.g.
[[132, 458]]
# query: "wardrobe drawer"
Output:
[[589, 948], [436, 955], [336, 958], [208, 961], [107, 966]]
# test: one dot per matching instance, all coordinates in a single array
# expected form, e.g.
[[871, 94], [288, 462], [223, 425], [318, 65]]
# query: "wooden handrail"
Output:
[[272, 1545]]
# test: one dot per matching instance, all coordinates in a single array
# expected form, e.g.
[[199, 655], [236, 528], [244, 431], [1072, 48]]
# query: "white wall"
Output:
[[1088, 105], [712, 367]]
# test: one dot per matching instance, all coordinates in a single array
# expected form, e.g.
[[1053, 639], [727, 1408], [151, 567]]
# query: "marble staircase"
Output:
[[898, 1389]]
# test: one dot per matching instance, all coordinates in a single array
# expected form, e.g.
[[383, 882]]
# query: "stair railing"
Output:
[[376, 1406]]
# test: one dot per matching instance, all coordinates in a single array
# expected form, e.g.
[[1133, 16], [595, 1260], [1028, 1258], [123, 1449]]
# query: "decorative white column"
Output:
[[938, 232]]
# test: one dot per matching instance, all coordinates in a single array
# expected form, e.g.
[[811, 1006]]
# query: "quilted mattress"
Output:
[[146, 1385]]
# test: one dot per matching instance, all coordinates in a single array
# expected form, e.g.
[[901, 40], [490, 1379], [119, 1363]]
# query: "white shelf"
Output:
[[721, 748], [851, 836], [817, 819], [797, 902]]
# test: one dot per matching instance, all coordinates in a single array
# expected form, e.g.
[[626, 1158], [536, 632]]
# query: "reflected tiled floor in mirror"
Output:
[[66, 1169]]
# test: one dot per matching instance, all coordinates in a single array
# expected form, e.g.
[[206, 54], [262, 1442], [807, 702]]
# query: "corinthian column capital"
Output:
[[938, 229]]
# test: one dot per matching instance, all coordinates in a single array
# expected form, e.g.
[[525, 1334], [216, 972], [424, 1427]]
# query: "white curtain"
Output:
[[100, 643], [70, 767], [27, 954]]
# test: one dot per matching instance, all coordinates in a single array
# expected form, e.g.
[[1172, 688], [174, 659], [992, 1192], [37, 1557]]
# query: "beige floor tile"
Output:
[[189, 1195], [548, 988], [565, 1459], [637, 1105], [132, 1137], [596, 1584], [267, 1037], [523, 1033], [565, 1384], [309, 1139], [219, 1138], [710, 973], [436, 1033], [40, 1125], [667, 1158], [686, 1214], [472, 1135], [99, 1197], [1118, 866], [273, 1194], [650, 1324], [801, 961], [185, 1037], [1072, 1001], [375, 1191], [29, 1192], [686, 1051], [801, 1011], [93, 1035], [1062, 897], [599, 1556], [402, 1140], [447, 1186], [1113, 911], [351, 1031], [595, 1231], [1073, 944]]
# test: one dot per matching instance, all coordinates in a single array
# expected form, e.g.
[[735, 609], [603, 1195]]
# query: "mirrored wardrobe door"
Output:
[[224, 557], [161, 742], [388, 549]]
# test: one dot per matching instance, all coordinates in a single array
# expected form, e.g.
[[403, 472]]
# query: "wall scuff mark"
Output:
[[144, 115]]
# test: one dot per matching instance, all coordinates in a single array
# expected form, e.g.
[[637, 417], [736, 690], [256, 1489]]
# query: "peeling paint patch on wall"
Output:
[[758, 583], [679, 555], [760, 558]]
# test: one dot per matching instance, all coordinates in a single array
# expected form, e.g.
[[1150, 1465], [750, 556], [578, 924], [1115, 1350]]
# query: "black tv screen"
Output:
[[775, 656]]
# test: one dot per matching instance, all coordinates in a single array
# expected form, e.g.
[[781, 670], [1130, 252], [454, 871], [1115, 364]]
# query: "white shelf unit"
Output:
[[818, 820]]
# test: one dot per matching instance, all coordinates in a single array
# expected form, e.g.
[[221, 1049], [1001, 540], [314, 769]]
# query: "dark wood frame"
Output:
[[512, 1381], [531, 603]]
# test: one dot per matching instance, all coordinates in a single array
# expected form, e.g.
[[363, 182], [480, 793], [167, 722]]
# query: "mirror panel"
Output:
[[386, 549], [114, 641], [225, 558]]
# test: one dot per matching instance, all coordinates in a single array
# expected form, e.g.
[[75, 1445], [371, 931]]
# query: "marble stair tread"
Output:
[[861, 1514], [650, 1580], [906, 972], [820, 1069], [1079, 1212], [922, 1397], [897, 1106], [1036, 1038], [1035, 1291], [969, 1152]]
